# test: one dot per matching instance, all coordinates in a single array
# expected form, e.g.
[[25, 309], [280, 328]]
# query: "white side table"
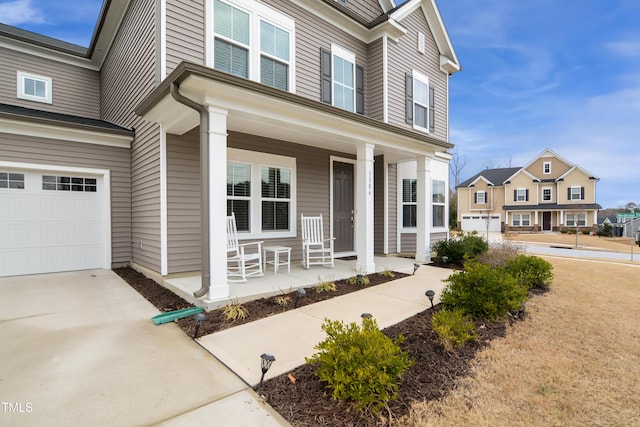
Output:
[[277, 259]]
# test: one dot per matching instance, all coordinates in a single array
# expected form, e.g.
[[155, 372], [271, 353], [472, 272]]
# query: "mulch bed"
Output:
[[306, 402]]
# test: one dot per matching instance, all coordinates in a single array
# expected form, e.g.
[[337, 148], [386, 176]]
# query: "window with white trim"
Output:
[[253, 41], [261, 193], [438, 202], [12, 180], [521, 195], [35, 88], [481, 197], [344, 78], [546, 168], [547, 194], [521, 220], [409, 203], [420, 102], [576, 193], [576, 219]]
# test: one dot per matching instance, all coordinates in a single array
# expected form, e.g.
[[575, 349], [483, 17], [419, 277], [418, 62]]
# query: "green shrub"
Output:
[[531, 271], [483, 292], [461, 247], [360, 365], [453, 327]]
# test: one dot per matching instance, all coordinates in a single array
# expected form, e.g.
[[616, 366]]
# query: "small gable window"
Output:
[[481, 198], [546, 168], [35, 88], [546, 194], [575, 193]]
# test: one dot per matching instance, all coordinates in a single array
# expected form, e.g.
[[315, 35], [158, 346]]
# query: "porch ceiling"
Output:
[[257, 109]]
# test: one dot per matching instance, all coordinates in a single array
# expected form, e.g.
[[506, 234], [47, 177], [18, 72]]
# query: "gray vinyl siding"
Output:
[[408, 242], [185, 32], [392, 194], [374, 81], [367, 9], [126, 79], [378, 204], [75, 90], [19, 148], [312, 34], [403, 57], [436, 237], [183, 215]]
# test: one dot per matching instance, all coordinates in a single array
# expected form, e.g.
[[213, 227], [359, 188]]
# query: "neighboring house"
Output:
[[548, 194], [183, 111]]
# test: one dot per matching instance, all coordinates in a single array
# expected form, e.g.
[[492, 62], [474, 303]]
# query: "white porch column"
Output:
[[561, 218], [364, 209], [423, 210], [217, 144]]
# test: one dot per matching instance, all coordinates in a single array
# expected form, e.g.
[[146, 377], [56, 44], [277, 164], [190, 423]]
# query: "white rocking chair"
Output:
[[241, 264], [316, 250]]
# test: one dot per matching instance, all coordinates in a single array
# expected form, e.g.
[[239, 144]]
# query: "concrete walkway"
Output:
[[292, 336], [80, 349]]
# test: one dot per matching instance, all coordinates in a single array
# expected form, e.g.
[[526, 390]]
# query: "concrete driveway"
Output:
[[79, 349]]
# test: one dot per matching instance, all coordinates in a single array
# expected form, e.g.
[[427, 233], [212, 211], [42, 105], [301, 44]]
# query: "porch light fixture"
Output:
[[301, 292], [366, 315], [415, 268], [266, 360], [199, 318], [430, 294]]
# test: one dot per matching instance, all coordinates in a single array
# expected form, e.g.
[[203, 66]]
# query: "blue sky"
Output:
[[536, 75]]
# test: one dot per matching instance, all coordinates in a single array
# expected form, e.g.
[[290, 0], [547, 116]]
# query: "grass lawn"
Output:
[[573, 362]]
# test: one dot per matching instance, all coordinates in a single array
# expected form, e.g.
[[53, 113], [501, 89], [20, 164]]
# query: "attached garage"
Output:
[[479, 222], [53, 219]]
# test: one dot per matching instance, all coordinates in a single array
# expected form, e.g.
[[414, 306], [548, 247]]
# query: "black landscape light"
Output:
[[415, 268], [199, 318], [366, 315], [266, 360], [430, 294], [360, 278], [301, 292]]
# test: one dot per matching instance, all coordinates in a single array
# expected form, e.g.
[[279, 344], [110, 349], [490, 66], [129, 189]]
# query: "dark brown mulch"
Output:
[[306, 402]]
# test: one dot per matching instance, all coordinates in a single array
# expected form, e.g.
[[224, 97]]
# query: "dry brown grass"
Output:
[[617, 244], [575, 361]]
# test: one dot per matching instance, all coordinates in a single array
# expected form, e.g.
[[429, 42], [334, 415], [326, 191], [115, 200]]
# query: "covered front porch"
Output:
[[185, 284]]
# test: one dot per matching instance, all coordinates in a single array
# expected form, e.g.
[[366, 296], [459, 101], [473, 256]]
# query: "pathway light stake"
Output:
[[366, 315], [301, 292], [199, 318], [445, 259], [266, 360], [415, 267], [430, 294], [360, 278]]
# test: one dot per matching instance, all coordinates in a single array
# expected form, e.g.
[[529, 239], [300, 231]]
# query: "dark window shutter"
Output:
[[325, 76], [526, 195], [408, 93], [475, 197], [569, 193], [515, 195], [581, 193], [359, 89], [432, 114]]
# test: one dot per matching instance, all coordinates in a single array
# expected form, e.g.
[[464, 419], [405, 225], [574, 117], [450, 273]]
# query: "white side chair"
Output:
[[316, 250], [240, 262]]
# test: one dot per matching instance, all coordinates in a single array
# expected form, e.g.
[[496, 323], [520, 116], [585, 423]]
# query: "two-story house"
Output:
[[548, 194], [135, 149]]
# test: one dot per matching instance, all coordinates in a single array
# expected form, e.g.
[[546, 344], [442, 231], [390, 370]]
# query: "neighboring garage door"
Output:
[[479, 223], [51, 221]]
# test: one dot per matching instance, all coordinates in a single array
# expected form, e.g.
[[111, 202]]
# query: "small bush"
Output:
[[353, 280], [388, 273], [483, 292], [325, 285], [564, 230], [499, 254], [453, 327], [234, 311], [360, 365], [461, 247], [283, 300], [531, 271]]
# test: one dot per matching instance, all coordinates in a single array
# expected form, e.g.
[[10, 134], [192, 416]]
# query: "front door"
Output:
[[343, 206], [546, 221]]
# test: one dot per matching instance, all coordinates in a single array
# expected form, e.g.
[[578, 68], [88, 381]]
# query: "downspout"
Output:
[[204, 186]]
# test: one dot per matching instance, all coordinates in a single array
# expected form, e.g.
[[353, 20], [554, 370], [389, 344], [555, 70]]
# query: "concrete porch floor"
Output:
[[271, 284]]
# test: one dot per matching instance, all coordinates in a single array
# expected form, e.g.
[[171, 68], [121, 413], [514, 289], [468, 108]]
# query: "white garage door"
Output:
[[479, 223], [51, 221]]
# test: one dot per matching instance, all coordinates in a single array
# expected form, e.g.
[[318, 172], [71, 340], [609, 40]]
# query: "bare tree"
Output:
[[509, 162], [456, 165]]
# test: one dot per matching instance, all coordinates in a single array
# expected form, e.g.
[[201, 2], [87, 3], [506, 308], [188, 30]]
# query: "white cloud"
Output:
[[628, 48], [19, 12]]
